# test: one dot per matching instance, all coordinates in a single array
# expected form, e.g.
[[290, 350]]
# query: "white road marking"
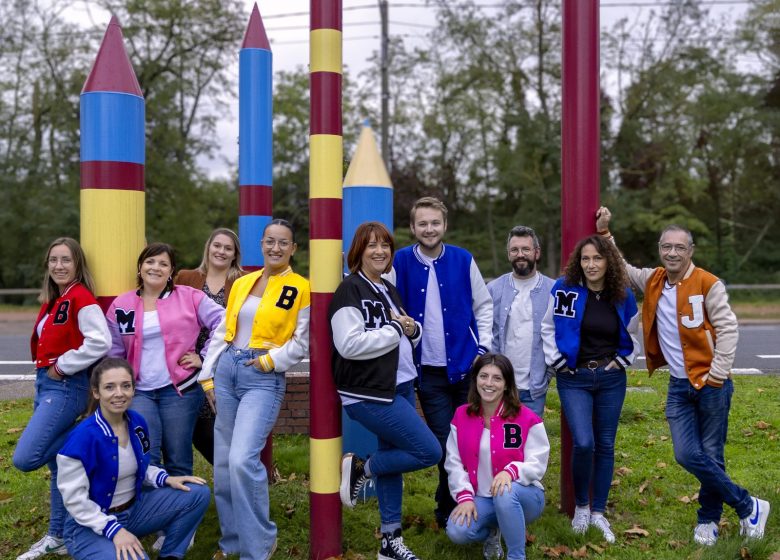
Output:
[[16, 363], [17, 377], [769, 356], [746, 371]]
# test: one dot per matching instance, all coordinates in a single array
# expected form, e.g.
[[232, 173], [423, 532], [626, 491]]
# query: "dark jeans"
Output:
[[592, 401], [699, 421], [203, 435], [439, 399]]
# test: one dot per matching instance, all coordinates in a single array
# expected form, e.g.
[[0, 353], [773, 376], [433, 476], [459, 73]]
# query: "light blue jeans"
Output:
[[171, 419], [175, 512], [56, 407], [248, 403], [536, 405], [511, 511]]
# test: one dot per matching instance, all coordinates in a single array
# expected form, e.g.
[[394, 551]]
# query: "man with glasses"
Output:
[[688, 325], [520, 299]]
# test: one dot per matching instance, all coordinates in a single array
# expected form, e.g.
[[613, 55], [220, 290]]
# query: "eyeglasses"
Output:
[[63, 260], [668, 248], [526, 251], [269, 243]]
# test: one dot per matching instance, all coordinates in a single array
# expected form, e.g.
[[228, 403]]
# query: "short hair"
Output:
[[153, 250], [427, 202], [50, 291], [675, 227], [97, 373], [360, 242], [510, 397], [615, 279], [523, 231], [235, 270]]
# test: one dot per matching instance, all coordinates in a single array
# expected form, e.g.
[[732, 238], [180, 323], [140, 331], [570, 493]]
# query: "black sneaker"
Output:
[[353, 479], [393, 547]]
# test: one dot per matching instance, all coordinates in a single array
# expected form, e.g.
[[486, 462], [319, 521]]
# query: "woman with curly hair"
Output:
[[589, 335]]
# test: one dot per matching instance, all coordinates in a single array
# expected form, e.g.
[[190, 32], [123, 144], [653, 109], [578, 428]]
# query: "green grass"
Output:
[[650, 492]]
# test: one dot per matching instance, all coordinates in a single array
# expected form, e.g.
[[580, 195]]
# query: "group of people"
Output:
[[199, 357]]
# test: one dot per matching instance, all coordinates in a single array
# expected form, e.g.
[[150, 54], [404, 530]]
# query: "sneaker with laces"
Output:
[[492, 549], [581, 519], [353, 479], [47, 545], [753, 525], [393, 547], [601, 523], [706, 533]]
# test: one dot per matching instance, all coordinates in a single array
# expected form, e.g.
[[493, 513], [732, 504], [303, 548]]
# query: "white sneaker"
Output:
[[601, 523], [581, 519], [492, 549], [47, 545], [752, 526], [706, 533]]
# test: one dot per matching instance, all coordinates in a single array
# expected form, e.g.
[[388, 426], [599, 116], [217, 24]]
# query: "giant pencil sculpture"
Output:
[[112, 168], [255, 151], [325, 176]]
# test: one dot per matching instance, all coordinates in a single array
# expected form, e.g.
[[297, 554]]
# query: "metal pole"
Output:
[[383, 9], [580, 155]]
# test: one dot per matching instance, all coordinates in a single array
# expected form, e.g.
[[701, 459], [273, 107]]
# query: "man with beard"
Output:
[[520, 300], [689, 326], [442, 288]]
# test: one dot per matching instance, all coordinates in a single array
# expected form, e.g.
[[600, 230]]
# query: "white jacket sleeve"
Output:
[[724, 321], [482, 305], [633, 332], [353, 342], [552, 356], [97, 341], [215, 350], [536, 454], [295, 349], [73, 484], [457, 477]]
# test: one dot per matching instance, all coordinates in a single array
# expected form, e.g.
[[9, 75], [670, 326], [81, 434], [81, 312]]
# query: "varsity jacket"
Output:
[[181, 312], [281, 324], [502, 291], [561, 326], [518, 446], [74, 335], [88, 467], [466, 305], [366, 339], [706, 323]]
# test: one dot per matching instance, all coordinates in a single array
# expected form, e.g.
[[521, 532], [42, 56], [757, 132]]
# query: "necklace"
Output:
[[596, 293]]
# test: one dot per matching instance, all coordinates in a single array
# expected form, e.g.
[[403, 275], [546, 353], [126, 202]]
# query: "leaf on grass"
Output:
[[759, 391], [529, 538], [684, 499], [595, 548], [615, 482], [623, 471], [660, 465], [6, 497], [636, 531], [660, 532], [642, 502], [555, 551], [664, 438], [744, 553], [351, 555], [14, 430], [643, 486], [747, 433], [580, 552], [695, 497], [761, 425], [675, 544], [624, 455]]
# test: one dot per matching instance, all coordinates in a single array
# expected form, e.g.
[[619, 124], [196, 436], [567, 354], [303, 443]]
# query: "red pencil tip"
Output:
[[112, 70], [255, 37]]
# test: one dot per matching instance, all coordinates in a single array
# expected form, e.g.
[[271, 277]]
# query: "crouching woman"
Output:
[[497, 454], [112, 494]]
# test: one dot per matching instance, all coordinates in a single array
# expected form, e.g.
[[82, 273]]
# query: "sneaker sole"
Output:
[[346, 475], [763, 516]]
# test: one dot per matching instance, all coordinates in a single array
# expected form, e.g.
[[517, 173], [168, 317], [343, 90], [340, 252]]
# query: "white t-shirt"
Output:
[[246, 319], [153, 372], [485, 465], [433, 348], [125, 482], [669, 331], [520, 331]]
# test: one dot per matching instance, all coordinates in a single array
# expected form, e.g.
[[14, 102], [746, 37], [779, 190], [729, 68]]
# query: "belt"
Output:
[[123, 507], [593, 364]]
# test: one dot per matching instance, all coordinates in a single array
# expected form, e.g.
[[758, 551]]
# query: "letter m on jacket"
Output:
[[564, 303], [125, 320], [374, 314]]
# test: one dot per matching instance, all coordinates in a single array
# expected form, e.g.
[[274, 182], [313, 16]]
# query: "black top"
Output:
[[600, 329]]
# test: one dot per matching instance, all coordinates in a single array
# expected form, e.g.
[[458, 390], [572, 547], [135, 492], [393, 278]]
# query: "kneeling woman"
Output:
[[374, 375], [497, 454], [102, 470]]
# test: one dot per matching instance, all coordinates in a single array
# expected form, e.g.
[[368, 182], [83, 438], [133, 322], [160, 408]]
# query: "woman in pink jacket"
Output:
[[497, 454], [155, 328]]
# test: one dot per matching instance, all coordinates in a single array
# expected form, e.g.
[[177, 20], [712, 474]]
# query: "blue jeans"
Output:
[[56, 407], [171, 419], [510, 511], [592, 401], [174, 512], [536, 405], [699, 421], [404, 444], [248, 403], [438, 400]]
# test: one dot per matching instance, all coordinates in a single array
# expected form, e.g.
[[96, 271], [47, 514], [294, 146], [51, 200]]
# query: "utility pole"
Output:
[[385, 93]]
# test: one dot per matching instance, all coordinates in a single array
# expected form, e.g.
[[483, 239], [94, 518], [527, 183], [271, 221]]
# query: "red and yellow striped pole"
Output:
[[325, 183]]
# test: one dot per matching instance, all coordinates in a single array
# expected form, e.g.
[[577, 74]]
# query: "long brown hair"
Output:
[[50, 291], [511, 398], [235, 271], [97, 372], [615, 280]]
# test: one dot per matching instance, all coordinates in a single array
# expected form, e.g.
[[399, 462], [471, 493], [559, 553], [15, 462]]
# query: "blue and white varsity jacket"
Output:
[[467, 308], [561, 326], [88, 467]]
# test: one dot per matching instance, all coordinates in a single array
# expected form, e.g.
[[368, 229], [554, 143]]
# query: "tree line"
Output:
[[690, 128]]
